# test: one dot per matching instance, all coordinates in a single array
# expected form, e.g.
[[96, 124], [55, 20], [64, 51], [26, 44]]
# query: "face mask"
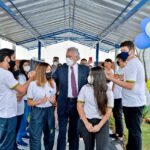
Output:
[[55, 63], [118, 63], [124, 55], [26, 68], [48, 75], [16, 73], [69, 61], [90, 79], [12, 64]]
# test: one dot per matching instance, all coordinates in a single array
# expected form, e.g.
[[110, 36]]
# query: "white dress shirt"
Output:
[[75, 68]]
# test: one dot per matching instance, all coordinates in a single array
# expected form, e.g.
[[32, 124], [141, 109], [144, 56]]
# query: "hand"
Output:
[[19, 98], [52, 99], [31, 74], [96, 128], [89, 127], [121, 77], [44, 100]]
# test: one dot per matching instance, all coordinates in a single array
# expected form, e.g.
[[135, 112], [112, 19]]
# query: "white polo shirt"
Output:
[[20, 104], [37, 92], [86, 96], [8, 99], [117, 89], [134, 72]]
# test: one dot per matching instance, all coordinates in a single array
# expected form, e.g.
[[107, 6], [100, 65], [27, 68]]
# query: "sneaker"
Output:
[[117, 141], [113, 136], [22, 143], [26, 136]]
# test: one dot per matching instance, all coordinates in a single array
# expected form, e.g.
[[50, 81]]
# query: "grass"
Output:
[[145, 134]]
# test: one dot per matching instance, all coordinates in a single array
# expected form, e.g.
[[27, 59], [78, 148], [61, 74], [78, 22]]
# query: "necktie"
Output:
[[73, 84]]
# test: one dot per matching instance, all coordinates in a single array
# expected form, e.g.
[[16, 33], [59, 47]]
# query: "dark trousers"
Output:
[[101, 137], [133, 117], [117, 113], [42, 120], [73, 132], [7, 133], [19, 118]]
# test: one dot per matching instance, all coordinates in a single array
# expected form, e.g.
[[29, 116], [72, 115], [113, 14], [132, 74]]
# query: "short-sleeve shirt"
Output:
[[36, 92], [8, 98], [117, 89], [134, 72], [20, 104], [86, 96]]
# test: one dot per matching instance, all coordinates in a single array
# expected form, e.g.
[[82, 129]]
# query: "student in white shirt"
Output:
[[22, 108], [41, 96], [117, 110], [8, 99], [133, 94], [95, 103]]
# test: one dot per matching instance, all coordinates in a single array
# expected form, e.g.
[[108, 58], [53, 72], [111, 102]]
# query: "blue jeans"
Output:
[[24, 122], [7, 133], [42, 120]]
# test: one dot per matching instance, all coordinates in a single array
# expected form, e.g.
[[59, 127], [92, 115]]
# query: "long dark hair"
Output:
[[21, 70], [100, 88]]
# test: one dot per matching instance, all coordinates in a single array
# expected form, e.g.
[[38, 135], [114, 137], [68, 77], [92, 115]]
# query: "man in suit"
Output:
[[70, 78]]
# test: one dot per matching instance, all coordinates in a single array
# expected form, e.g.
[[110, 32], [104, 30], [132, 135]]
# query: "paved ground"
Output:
[[81, 145]]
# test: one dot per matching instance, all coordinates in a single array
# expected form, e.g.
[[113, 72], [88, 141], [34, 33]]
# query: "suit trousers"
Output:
[[73, 131]]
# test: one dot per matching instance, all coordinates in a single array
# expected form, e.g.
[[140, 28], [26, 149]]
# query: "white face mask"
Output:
[[55, 63], [90, 79], [26, 68], [69, 61]]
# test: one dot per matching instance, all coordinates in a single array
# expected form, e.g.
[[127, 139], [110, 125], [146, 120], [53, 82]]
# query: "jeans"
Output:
[[24, 122], [117, 112], [133, 117], [73, 132], [19, 118], [101, 137], [7, 133], [42, 120]]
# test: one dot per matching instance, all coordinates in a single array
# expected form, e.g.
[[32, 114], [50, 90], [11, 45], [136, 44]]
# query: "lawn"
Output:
[[145, 134]]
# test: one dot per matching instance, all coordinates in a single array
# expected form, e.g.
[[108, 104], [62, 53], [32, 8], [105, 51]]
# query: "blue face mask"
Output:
[[124, 55], [48, 75]]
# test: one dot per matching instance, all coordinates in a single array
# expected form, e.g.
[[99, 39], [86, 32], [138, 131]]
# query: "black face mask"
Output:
[[118, 63], [48, 75], [16, 73], [12, 64]]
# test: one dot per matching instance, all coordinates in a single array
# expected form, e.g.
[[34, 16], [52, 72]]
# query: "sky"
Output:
[[47, 53]]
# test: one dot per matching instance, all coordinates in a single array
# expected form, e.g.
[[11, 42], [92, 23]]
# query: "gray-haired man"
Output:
[[70, 79]]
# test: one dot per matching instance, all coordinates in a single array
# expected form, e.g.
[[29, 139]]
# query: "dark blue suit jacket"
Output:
[[61, 78]]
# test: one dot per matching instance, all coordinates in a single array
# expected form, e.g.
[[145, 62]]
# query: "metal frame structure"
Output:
[[38, 23]]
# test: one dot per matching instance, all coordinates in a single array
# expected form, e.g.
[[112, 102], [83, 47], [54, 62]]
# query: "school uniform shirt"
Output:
[[8, 98], [20, 104], [117, 89], [86, 96], [134, 72], [37, 93]]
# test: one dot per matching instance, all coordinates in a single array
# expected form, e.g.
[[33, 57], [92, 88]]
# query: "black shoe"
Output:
[[117, 141], [113, 136]]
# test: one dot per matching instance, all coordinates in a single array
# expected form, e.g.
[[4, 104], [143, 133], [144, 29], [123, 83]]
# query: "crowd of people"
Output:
[[82, 97]]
